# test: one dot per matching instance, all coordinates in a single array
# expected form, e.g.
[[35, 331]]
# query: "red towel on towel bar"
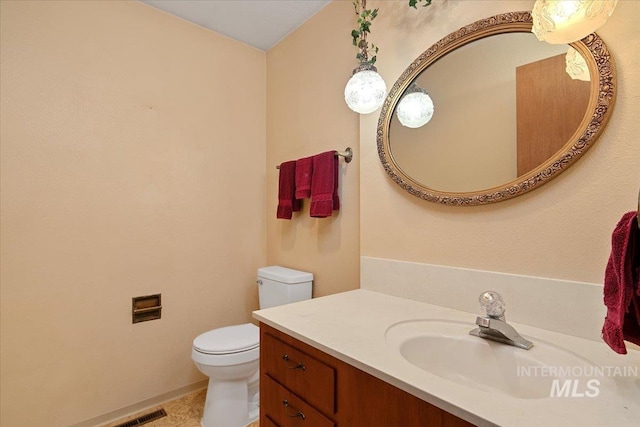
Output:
[[336, 172], [287, 204], [621, 286], [304, 169], [324, 185]]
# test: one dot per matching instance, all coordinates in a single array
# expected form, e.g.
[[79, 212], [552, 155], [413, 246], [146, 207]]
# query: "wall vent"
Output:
[[144, 419]]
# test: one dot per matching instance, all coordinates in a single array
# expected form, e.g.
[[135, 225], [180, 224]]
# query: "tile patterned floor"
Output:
[[183, 412]]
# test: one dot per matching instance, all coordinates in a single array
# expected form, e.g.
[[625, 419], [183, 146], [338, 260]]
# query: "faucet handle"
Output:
[[492, 304]]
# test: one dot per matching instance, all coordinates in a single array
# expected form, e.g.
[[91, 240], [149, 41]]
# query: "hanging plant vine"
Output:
[[413, 3], [368, 51], [367, 54]]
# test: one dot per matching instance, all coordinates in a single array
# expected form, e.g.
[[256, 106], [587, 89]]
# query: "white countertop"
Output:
[[351, 326]]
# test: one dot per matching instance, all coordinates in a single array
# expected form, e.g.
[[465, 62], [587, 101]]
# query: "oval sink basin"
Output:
[[445, 349]]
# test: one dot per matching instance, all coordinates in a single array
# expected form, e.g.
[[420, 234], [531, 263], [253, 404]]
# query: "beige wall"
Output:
[[132, 164], [561, 230], [306, 115], [121, 134]]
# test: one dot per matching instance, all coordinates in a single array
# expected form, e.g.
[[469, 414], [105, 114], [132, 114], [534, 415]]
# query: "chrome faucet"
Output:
[[493, 325]]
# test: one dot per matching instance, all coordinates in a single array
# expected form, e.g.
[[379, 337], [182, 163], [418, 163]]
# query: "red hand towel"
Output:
[[304, 169], [323, 184], [621, 286], [336, 197], [287, 204]]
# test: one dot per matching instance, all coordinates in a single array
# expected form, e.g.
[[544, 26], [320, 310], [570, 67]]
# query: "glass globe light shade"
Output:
[[365, 91], [415, 109], [577, 67], [566, 21]]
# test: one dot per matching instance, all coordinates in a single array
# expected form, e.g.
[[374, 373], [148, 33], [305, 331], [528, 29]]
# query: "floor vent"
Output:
[[147, 418]]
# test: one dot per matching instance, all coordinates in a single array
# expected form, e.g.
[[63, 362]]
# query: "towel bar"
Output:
[[347, 154]]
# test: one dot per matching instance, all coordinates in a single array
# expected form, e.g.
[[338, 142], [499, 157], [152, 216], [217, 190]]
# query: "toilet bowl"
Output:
[[230, 355]]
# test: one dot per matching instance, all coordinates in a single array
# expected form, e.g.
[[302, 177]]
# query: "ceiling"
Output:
[[258, 23]]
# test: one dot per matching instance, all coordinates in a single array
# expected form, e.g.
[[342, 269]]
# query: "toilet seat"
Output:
[[228, 340]]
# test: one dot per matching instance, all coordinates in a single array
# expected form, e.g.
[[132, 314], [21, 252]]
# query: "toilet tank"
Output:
[[279, 285]]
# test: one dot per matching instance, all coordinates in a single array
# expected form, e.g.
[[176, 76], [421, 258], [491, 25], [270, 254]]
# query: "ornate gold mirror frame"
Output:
[[601, 101]]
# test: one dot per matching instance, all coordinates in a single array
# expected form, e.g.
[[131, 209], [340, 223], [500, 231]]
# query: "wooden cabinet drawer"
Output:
[[285, 409], [300, 373], [268, 422]]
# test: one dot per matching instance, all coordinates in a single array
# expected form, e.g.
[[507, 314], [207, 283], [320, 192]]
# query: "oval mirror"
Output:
[[510, 112]]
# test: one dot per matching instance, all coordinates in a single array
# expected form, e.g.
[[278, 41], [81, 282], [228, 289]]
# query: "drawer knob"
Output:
[[290, 364], [290, 408]]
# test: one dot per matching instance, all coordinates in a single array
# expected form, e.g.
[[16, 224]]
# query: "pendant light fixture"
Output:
[[415, 109], [366, 90], [567, 21]]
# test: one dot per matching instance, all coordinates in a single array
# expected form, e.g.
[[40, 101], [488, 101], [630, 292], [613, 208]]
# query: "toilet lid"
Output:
[[230, 339]]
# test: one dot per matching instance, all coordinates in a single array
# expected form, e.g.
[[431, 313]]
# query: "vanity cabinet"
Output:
[[303, 386]]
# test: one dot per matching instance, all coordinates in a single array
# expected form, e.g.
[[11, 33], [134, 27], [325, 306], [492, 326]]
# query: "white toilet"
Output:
[[229, 356]]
